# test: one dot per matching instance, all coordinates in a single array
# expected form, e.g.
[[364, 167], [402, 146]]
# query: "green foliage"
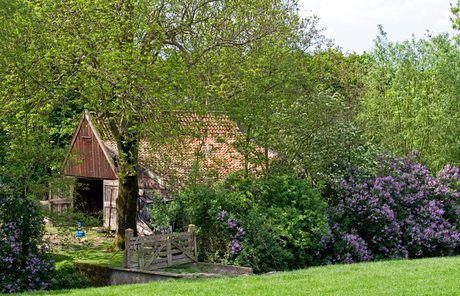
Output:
[[129, 61], [66, 276], [412, 98], [23, 264], [262, 248], [163, 213], [283, 219]]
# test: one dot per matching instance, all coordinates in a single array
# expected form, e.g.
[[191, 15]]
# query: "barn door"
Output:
[[60, 198], [110, 208]]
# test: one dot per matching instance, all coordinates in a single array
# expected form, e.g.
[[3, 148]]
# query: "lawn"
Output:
[[88, 249], [434, 276]]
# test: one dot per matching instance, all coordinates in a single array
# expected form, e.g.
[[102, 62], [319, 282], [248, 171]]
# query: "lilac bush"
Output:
[[400, 211], [235, 229], [23, 264]]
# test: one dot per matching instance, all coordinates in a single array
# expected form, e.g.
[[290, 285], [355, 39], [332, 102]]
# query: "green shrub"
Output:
[[262, 248], [23, 262], [66, 276], [283, 216]]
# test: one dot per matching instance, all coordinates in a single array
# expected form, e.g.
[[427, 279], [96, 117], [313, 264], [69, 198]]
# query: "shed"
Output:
[[92, 159]]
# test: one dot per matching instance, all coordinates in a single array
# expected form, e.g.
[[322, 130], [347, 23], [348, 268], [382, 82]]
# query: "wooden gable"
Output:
[[92, 159]]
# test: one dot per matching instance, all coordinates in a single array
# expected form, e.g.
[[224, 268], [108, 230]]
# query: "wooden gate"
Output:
[[110, 207], [160, 251], [60, 199]]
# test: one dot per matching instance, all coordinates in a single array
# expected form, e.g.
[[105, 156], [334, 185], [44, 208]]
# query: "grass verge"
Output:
[[434, 276]]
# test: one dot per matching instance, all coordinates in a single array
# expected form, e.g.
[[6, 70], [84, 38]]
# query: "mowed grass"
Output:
[[88, 249], [434, 276]]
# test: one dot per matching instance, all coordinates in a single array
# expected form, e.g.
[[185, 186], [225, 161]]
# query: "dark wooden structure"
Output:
[[92, 162]]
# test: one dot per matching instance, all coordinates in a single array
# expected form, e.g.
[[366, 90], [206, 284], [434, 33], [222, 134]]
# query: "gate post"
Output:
[[127, 262], [192, 241]]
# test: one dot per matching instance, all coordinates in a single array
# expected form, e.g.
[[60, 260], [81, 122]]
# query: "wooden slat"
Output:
[[184, 244], [158, 237], [162, 254], [178, 262], [140, 251], [175, 259], [184, 237], [160, 250], [184, 251], [156, 254], [168, 249]]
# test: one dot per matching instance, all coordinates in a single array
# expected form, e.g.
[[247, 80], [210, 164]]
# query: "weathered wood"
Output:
[[159, 251], [192, 240], [156, 254], [184, 251], [180, 238], [162, 254], [158, 237], [140, 251], [168, 249], [93, 159], [175, 262], [129, 235]]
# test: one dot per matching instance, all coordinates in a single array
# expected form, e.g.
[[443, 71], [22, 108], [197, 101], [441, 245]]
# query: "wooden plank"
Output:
[[184, 244], [129, 247], [140, 252], [162, 254], [155, 255], [158, 261], [163, 265], [185, 237], [192, 240], [59, 201], [174, 259], [157, 237], [184, 251], [168, 249]]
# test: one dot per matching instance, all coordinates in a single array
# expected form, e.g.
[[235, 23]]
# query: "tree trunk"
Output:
[[128, 194]]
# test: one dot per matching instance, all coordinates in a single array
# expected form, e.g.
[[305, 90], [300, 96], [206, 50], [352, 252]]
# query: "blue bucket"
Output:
[[80, 233], [79, 224]]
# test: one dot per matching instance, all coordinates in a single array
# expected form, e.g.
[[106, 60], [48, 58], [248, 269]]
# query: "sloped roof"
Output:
[[183, 141], [92, 160]]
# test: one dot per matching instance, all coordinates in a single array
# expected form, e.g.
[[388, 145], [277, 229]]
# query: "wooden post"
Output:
[[140, 253], [127, 257], [192, 241], [168, 251]]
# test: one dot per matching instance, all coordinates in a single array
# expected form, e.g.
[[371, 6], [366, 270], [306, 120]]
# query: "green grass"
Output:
[[434, 276], [89, 249]]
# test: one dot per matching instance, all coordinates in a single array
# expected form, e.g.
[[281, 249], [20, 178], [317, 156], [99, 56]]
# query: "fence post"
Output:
[[127, 262], [192, 241]]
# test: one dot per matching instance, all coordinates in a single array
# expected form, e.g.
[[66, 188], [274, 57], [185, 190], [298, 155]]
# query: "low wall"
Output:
[[100, 276]]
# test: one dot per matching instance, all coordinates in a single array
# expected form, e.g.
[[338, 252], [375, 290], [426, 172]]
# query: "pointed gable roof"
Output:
[[92, 159]]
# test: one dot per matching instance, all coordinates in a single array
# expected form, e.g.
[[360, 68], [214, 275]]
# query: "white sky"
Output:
[[353, 23]]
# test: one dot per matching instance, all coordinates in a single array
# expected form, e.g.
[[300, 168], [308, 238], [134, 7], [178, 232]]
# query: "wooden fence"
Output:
[[160, 251]]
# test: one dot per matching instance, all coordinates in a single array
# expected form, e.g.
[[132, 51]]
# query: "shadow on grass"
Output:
[[89, 252]]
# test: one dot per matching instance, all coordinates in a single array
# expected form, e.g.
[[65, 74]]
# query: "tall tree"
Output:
[[412, 99], [130, 60]]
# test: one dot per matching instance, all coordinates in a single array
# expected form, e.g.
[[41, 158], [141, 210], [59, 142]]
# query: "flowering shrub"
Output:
[[23, 266], [283, 215], [399, 212], [236, 232]]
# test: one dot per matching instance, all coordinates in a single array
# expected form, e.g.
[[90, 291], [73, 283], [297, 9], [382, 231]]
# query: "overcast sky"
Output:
[[353, 23]]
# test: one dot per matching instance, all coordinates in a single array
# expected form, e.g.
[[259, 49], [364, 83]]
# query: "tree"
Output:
[[131, 60], [300, 103], [412, 98]]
